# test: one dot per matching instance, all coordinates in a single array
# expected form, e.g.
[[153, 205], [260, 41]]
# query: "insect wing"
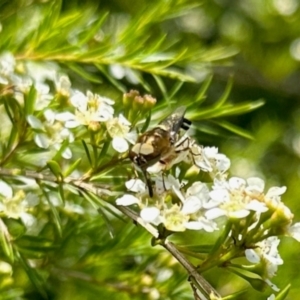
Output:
[[174, 121]]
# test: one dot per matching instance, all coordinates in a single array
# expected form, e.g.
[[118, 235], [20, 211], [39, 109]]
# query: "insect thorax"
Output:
[[150, 147]]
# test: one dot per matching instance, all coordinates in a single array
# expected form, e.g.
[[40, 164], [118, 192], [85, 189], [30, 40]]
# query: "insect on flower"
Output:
[[159, 143]]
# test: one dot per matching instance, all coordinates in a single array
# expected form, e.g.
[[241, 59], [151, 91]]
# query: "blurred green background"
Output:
[[255, 42]]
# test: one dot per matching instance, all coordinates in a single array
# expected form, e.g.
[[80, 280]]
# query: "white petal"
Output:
[[131, 137], [5, 190], [32, 199], [276, 191], [120, 144], [272, 285], [117, 71], [191, 205], [256, 184], [34, 122], [72, 124], [198, 188], [214, 213], [252, 256], [222, 162], [49, 115], [67, 154], [204, 165], [123, 120], [178, 193], [210, 152], [42, 140], [294, 231], [239, 214], [193, 225], [202, 223], [236, 183], [28, 219], [220, 195], [79, 101], [150, 214], [64, 116], [156, 168], [257, 206], [127, 199], [135, 185]]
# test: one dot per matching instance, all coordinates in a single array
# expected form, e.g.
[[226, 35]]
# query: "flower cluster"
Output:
[[256, 217], [53, 128], [56, 114]]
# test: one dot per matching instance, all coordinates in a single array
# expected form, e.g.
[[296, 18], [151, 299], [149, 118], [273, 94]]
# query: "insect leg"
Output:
[[149, 183]]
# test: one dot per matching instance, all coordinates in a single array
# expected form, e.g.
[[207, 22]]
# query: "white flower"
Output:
[[51, 133], [119, 130], [63, 85], [14, 205], [5, 189], [92, 107], [294, 231], [166, 183], [209, 160], [235, 198], [266, 253], [195, 203], [273, 195], [7, 67], [174, 219]]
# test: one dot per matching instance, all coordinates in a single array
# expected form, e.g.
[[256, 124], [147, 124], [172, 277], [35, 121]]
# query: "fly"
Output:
[[159, 143]]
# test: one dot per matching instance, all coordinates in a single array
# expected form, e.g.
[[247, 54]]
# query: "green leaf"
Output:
[[7, 104], [15, 227], [29, 100], [108, 224], [71, 168], [283, 292], [200, 97], [55, 214], [87, 152], [235, 129], [89, 76], [5, 242], [94, 29], [12, 141], [55, 168], [147, 122], [61, 192], [227, 110], [177, 86], [161, 85], [225, 95], [103, 153], [34, 276], [62, 148], [111, 79]]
